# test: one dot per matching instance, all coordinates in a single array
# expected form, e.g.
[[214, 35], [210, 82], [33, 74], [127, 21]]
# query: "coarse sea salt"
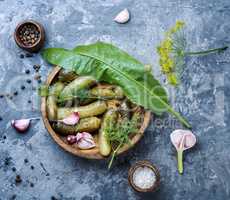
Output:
[[144, 177]]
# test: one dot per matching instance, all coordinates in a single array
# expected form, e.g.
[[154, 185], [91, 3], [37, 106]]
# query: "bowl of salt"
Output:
[[144, 177]]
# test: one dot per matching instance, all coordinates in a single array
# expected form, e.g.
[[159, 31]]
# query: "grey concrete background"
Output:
[[203, 98]]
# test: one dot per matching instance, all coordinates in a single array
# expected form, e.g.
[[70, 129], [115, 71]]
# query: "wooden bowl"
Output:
[[36, 46], [91, 153], [144, 163]]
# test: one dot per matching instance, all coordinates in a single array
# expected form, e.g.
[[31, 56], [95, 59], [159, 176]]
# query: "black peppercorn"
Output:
[[22, 56], [26, 160], [28, 81], [37, 67], [1, 96], [32, 167], [31, 185], [29, 34], [18, 179], [15, 93], [13, 197], [27, 71], [23, 87], [13, 169], [7, 160], [29, 101], [0, 118]]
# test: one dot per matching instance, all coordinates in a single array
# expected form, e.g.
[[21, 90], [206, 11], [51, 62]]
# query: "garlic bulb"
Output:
[[85, 140], [122, 17]]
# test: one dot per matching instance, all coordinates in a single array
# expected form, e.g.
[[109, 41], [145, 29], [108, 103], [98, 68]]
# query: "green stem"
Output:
[[179, 117], [206, 52], [113, 155], [180, 161]]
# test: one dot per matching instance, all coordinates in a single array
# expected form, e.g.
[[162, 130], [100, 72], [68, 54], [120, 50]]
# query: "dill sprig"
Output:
[[118, 134], [173, 50]]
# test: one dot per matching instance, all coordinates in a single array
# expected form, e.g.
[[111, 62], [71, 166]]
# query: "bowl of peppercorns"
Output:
[[30, 36]]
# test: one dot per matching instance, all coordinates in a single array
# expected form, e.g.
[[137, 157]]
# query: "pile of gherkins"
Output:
[[98, 104]]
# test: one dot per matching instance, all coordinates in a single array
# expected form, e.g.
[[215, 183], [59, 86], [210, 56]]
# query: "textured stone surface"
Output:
[[203, 98]]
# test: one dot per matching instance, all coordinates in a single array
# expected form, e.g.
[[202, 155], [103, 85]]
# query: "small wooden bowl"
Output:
[[91, 153], [144, 163], [36, 46]]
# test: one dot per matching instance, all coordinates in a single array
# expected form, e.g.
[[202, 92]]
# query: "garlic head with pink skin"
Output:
[[182, 140], [85, 140]]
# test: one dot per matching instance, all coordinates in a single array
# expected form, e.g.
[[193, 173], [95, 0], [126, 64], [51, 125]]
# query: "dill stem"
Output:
[[202, 53], [113, 155]]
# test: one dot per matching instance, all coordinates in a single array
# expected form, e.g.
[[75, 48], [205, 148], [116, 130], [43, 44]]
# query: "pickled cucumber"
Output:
[[71, 90], [89, 124], [52, 100], [93, 109], [109, 119]]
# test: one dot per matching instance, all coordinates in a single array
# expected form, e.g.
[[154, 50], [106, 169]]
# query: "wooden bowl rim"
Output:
[[92, 153]]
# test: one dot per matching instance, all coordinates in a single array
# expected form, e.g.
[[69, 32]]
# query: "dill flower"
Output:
[[172, 52]]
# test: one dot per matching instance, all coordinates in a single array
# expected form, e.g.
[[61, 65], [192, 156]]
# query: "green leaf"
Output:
[[110, 64]]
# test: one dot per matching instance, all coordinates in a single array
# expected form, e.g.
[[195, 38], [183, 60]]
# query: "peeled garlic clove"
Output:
[[71, 119], [122, 17], [86, 140], [21, 125]]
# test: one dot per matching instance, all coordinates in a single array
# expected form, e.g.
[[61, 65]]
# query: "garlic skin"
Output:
[[122, 17]]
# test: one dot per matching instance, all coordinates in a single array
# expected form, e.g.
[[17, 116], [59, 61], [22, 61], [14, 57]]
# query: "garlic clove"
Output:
[[79, 136], [71, 119], [176, 137], [190, 141], [122, 17], [21, 125], [85, 144], [85, 140], [183, 139]]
